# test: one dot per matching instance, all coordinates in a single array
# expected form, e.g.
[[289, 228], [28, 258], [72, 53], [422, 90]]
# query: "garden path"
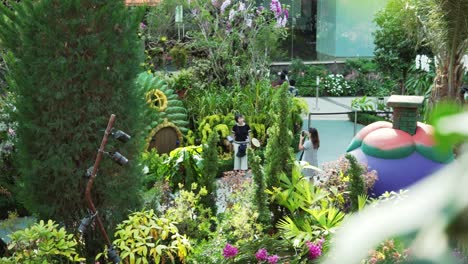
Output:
[[335, 131]]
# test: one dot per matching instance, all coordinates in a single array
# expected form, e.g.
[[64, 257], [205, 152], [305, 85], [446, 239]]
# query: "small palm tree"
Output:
[[446, 26]]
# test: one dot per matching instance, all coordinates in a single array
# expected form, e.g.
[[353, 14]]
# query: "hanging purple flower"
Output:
[[225, 5], [275, 7], [228, 27], [273, 259], [142, 25], [284, 21], [286, 13], [280, 22], [230, 251], [261, 254]]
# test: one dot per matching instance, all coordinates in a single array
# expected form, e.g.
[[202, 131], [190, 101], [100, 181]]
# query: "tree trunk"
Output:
[[448, 80]]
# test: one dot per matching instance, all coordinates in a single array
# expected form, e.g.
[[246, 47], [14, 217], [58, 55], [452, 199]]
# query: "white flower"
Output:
[[248, 22], [225, 5], [241, 6], [232, 13]]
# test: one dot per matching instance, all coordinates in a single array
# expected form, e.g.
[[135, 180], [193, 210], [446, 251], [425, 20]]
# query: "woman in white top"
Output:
[[310, 148]]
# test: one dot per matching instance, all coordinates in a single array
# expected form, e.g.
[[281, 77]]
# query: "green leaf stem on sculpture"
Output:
[[450, 127]]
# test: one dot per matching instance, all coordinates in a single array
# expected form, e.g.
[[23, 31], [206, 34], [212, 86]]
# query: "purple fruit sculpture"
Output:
[[403, 152]]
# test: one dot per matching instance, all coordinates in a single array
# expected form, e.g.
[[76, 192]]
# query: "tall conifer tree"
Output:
[[279, 154], [210, 171], [72, 64]]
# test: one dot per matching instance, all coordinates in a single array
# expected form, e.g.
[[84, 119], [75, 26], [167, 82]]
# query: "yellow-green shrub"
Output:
[[43, 243], [145, 237]]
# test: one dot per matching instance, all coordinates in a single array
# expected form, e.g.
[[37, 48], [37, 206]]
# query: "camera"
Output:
[[304, 133]]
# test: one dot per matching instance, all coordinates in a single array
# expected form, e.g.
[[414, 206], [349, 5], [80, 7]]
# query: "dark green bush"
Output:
[[306, 83], [366, 118], [179, 56], [225, 165]]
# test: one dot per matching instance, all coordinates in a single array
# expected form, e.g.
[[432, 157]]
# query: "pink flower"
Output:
[[320, 242], [286, 13], [273, 259], [230, 251], [261, 254], [315, 250], [142, 25]]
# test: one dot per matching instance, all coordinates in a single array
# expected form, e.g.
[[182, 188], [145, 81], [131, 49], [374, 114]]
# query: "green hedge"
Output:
[[366, 118]]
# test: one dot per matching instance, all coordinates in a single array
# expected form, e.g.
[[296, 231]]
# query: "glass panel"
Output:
[[328, 30]]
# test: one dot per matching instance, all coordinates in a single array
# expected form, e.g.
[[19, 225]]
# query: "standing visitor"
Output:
[[310, 148], [292, 88], [283, 77], [240, 133]]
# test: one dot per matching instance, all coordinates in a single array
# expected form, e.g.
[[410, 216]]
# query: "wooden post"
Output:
[[110, 124]]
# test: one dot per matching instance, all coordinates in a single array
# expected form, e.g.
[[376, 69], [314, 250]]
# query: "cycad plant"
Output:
[[72, 64]]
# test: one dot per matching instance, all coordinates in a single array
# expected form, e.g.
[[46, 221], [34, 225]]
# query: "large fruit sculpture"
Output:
[[400, 157], [165, 114]]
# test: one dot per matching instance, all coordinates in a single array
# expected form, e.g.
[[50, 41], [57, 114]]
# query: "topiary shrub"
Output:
[[72, 64]]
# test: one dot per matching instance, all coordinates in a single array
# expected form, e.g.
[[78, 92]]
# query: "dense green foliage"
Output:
[[3, 72], [356, 185], [396, 43], [261, 199], [72, 64]]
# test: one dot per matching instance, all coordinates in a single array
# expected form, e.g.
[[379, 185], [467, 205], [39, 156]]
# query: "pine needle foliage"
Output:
[[210, 171], [279, 154], [356, 186], [260, 198], [72, 64]]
